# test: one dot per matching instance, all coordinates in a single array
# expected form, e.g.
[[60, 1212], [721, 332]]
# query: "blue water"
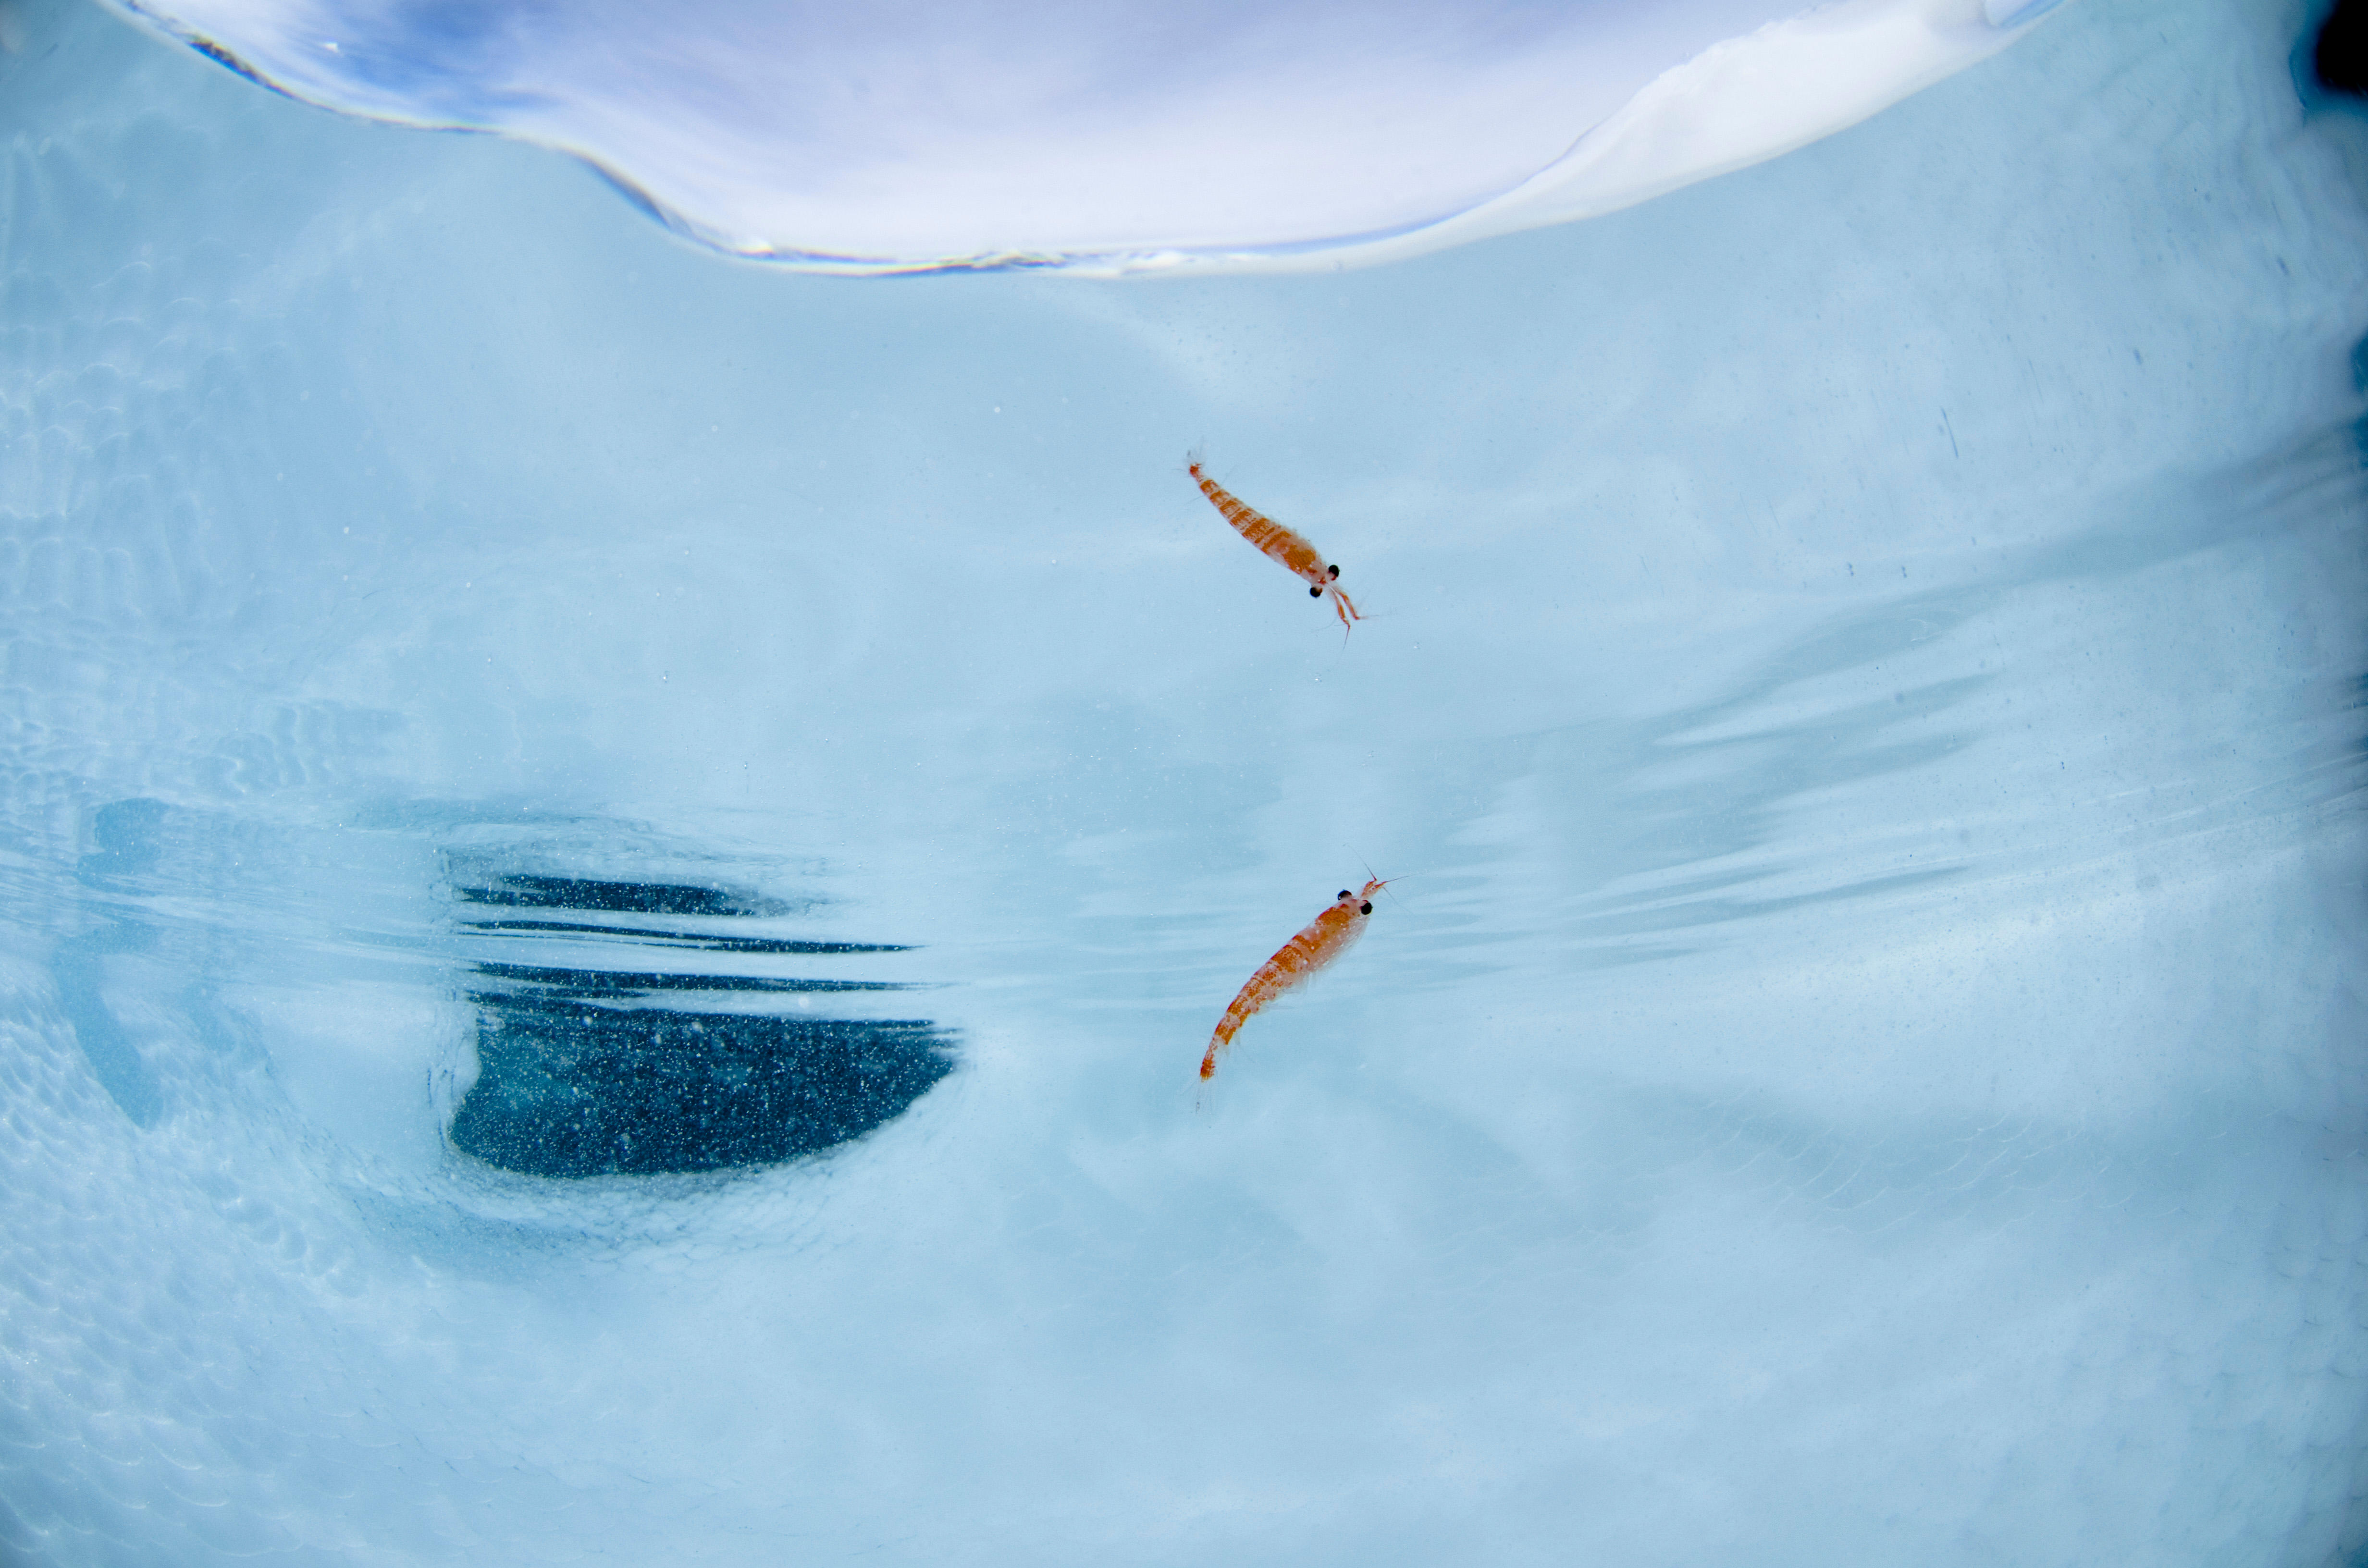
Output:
[[1861, 678]]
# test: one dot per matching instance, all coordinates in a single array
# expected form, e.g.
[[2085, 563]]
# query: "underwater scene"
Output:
[[1333, 783]]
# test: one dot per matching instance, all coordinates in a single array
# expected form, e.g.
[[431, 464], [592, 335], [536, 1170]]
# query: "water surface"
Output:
[[1861, 678]]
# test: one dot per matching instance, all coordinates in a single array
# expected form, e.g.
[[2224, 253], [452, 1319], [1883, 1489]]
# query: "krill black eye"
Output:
[[1366, 907], [1344, 892], [1314, 593], [1336, 571]]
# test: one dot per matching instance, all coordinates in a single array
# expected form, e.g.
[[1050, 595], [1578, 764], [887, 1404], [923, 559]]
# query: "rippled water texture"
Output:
[[1862, 678]]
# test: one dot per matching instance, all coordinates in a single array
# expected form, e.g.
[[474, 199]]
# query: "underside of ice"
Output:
[[1115, 135]]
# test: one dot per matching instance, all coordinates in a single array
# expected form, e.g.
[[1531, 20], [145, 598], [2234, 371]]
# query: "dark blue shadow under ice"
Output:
[[597, 1064], [581, 1073]]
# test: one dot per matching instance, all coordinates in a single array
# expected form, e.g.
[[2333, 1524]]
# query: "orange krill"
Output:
[[1286, 549], [1328, 936]]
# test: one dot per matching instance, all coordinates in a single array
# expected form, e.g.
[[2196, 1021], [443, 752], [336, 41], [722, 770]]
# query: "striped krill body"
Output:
[[1288, 549], [1327, 936]]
